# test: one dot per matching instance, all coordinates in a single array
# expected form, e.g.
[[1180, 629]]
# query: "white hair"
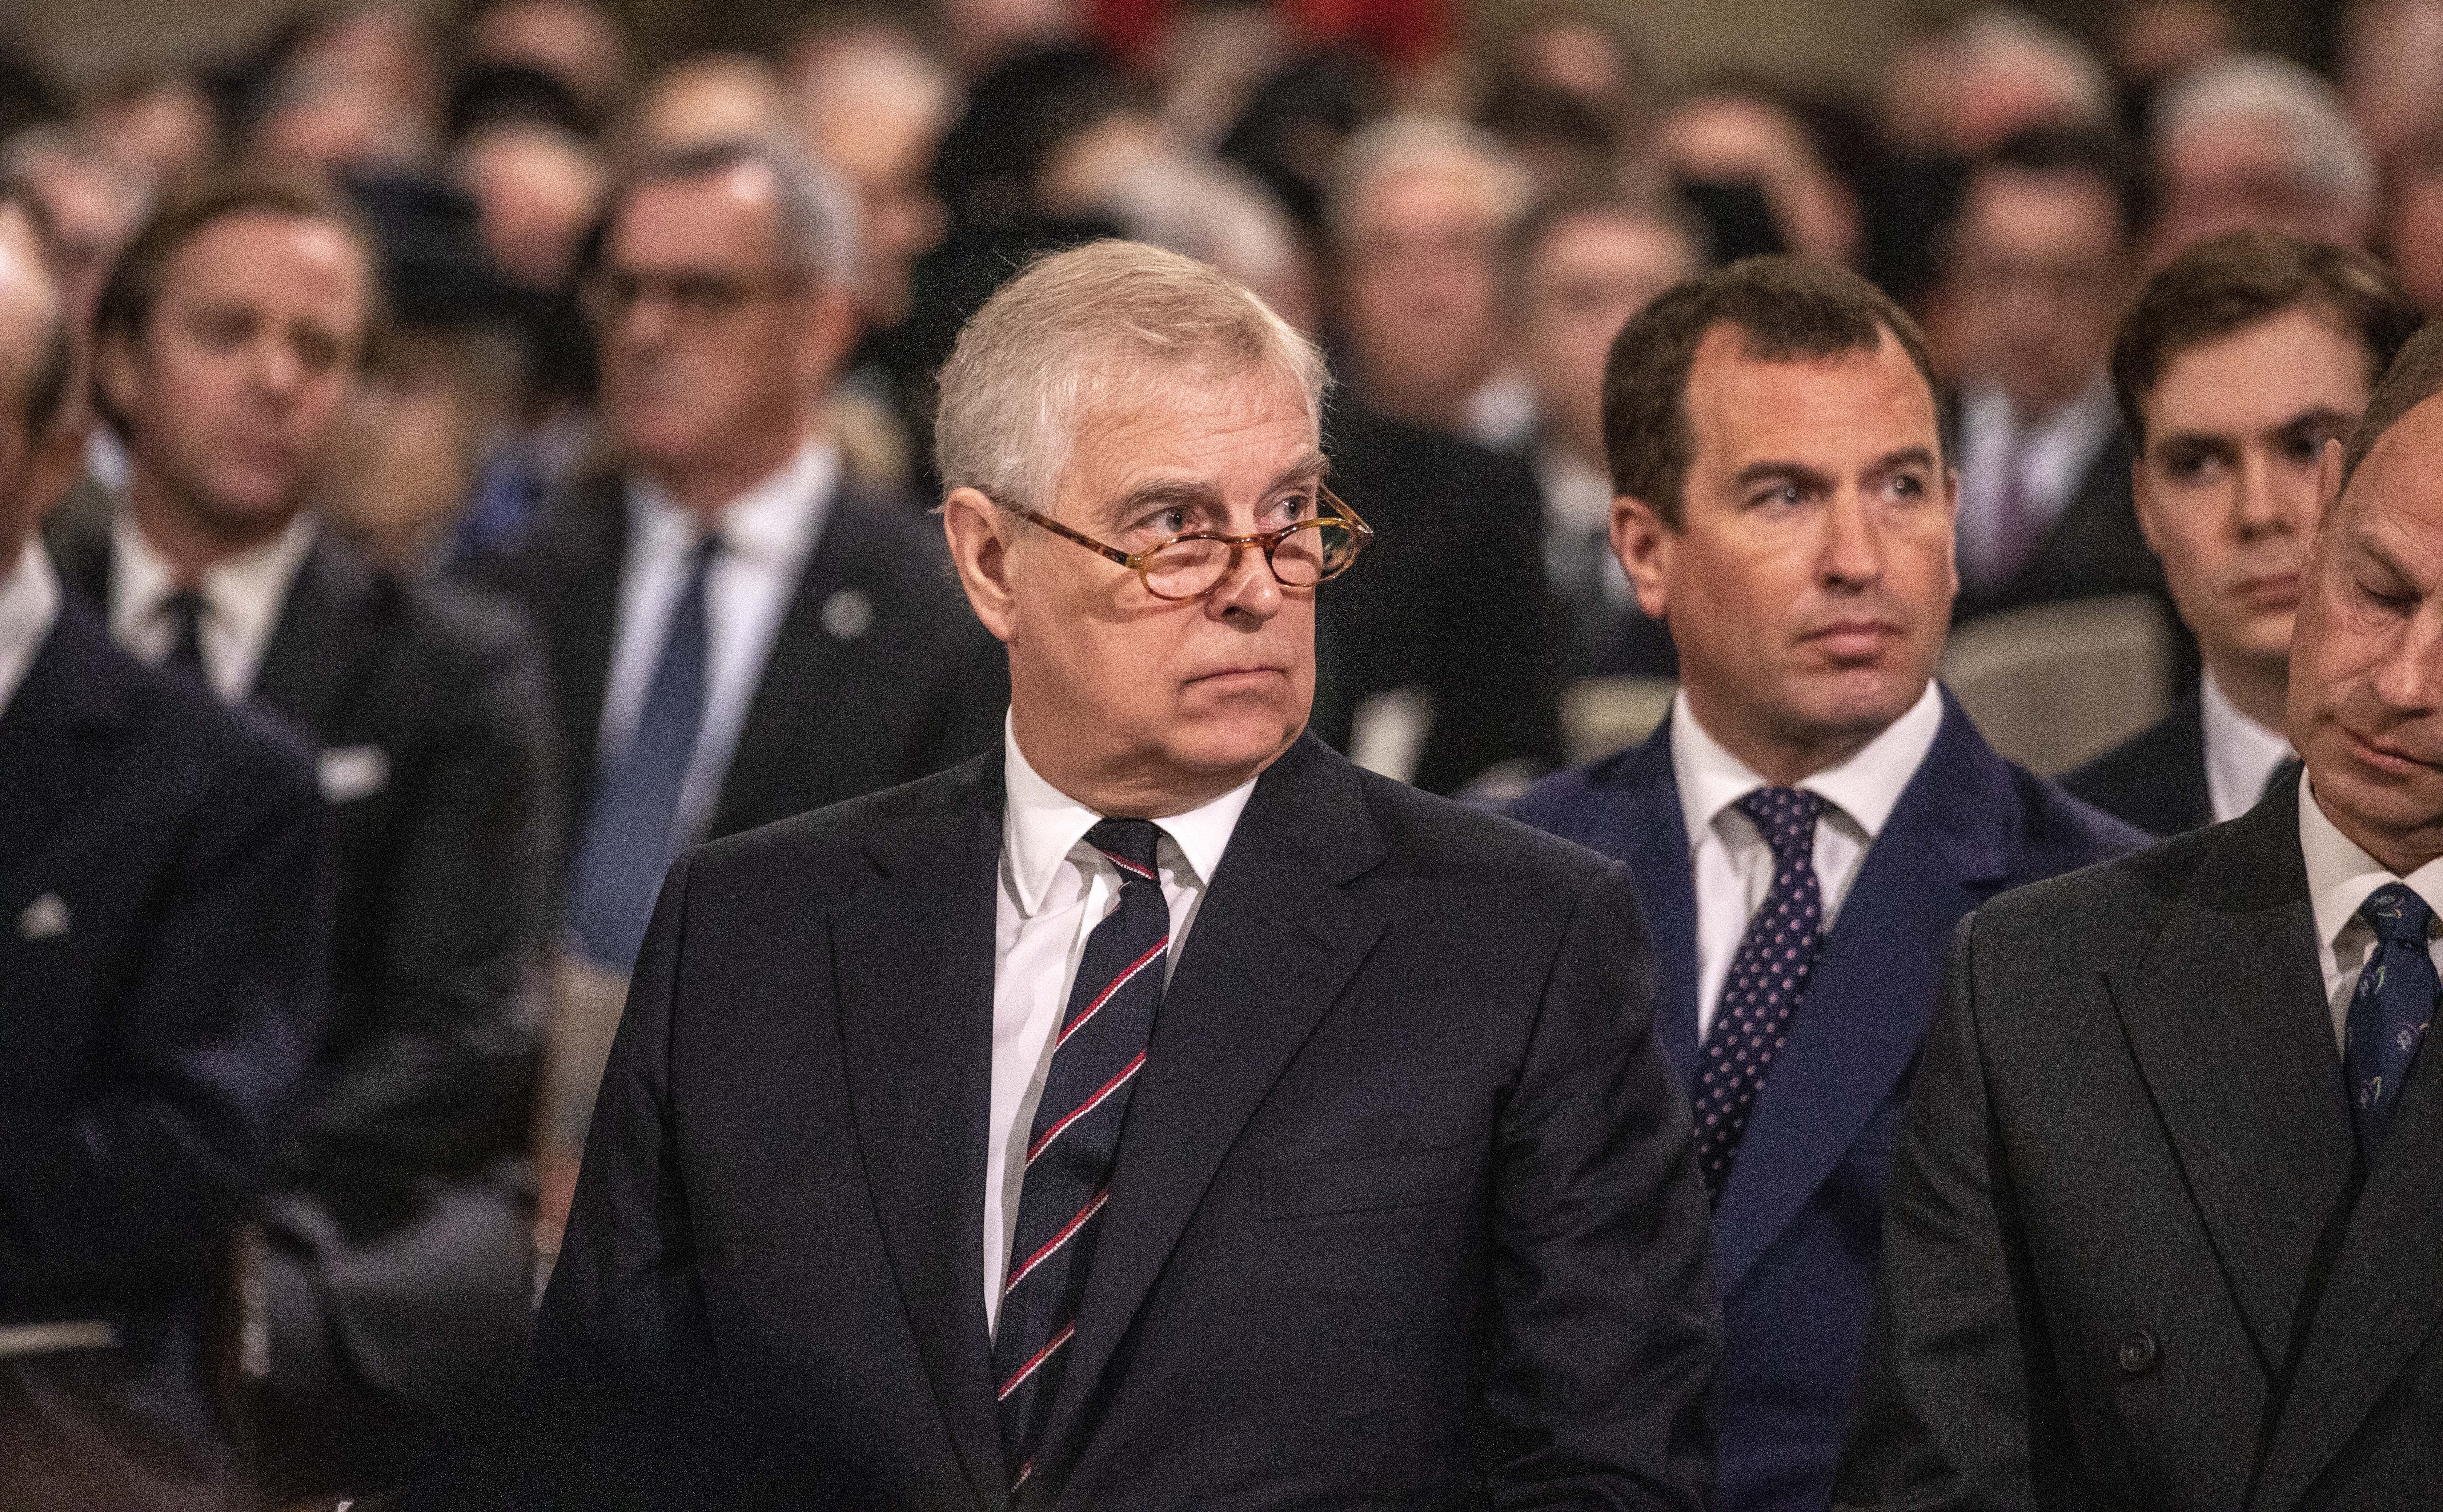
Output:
[[1399, 145], [1075, 325], [2325, 150]]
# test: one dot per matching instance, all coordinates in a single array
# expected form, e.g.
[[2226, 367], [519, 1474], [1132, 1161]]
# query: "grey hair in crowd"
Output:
[[2326, 151], [1426, 144], [817, 212], [1070, 329], [2015, 44]]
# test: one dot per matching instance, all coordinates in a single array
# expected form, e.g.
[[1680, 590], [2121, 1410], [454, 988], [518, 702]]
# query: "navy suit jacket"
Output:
[[1798, 1230], [162, 928]]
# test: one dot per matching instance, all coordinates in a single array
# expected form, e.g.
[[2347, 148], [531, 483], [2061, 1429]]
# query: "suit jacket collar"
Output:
[[1952, 841], [76, 693], [322, 637], [1640, 820]]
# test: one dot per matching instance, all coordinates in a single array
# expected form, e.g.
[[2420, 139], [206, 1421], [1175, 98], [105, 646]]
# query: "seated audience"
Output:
[[2164, 1224], [162, 948], [2042, 260], [2258, 143], [1815, 813], [1585, 264], [2243, 357], [229, 343]]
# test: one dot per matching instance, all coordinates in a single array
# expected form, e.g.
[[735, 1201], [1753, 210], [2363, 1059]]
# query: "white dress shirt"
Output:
[[1577, 526], [2339, 877], [2241, 754], [243, 595], [1055, 888], [2051, 459], [1733, 863], [29, 606], [766, 535]]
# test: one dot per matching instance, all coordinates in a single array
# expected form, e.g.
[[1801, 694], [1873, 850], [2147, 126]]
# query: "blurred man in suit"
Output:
[[735, 634], [229, 340], [2164, 1224], [1814, 814], [2042, 255], [2239, 361], [162, 937], [937, 1165]]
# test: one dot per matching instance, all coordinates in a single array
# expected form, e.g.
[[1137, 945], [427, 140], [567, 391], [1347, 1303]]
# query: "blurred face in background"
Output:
[[1419, 291], [2237, 174], [715, 97], [95, 208], [713, 343], [574, 41], [875, 107], [2039, 276], [536, 189], [2226, 489], [1808, 582], [234, 388], [1585, 276], [34, 468]]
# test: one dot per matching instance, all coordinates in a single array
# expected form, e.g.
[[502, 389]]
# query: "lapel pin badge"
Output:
[[847, 614], [46, 918]]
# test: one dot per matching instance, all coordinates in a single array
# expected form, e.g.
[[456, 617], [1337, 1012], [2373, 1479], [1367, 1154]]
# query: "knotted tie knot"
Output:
[[1129, 844], [2397, 914], [1786, 817]]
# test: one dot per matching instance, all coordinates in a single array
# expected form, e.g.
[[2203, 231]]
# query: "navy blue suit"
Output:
[[1798, 1232]]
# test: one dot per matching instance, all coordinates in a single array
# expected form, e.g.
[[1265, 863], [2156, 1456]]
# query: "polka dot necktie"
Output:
[[2390, 1010], [1767, 982]]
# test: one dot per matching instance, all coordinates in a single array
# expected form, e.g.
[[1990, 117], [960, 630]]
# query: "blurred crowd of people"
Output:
[[542, 441]]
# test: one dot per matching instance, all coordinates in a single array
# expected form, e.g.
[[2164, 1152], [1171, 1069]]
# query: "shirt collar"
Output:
[[775, 521], [2340, 876], [1866, 787], [29, 606], [243, 592], [2240, 753], [1041, 824]]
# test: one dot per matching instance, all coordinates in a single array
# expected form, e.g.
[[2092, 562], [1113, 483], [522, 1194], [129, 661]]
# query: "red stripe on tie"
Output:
[[1125, 977], [1126, 865], [1091, 1208], [1091, 1104], [1024, 1471], [1041, 1356]]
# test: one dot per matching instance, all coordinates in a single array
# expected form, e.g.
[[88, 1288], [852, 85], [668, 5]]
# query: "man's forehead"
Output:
[[1143, 422], [2395, 501], [273, 250], [2228, 382], [722, 215], [1867, 399]]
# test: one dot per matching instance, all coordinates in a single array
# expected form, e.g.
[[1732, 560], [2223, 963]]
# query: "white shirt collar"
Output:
[[2340, 876], [775, 521], [1576, 497], [243, 594], [1041, 824], [2241, 754], [1865, 788], [29, 606]]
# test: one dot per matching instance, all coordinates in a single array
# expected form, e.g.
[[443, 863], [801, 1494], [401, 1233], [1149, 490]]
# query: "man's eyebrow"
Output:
[[2214, 441], [1201, 493], [1905, 457], [2320, 416], [1797, 472]]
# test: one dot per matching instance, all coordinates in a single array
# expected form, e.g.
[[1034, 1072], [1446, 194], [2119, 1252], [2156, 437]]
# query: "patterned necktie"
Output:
[[1767, 982], [631, 835], [185, 609], [1076, 1138], [2390, 1011]]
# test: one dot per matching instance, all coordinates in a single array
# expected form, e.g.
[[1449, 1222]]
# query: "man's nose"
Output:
[[2408, 680], [1249, 588], [1853, 545], [2259, 506]]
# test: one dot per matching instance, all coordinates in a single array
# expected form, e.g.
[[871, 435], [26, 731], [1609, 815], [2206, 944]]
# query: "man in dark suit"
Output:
[[229, 340], [2042, 254], [2241, 358], [735, 636], [2164, 1224], [162, 937], [1813, 815], [1405, 1209]]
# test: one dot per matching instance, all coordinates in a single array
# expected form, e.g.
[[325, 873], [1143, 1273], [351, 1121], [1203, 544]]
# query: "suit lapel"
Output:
[[320, 636], [1272, 944], [584, 624], [71, 699], [801, 672], [915, 963], [2227, 1019], [1950, 841], [1650, 832]]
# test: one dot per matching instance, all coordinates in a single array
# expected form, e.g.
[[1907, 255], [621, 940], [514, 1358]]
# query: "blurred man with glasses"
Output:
[[936, 1164], [736, 635]]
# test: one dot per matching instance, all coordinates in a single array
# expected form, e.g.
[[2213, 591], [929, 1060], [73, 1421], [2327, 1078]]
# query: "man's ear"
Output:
[[974, 527], [2328, 482], [1643, 544]]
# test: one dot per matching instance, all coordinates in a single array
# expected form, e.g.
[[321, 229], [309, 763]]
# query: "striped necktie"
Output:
[[1076, 1138]]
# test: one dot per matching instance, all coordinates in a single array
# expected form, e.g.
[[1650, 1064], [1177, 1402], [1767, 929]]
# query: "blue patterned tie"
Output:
[[631, 832], [2390, 1011], [1767, 982], [1076, 1138]]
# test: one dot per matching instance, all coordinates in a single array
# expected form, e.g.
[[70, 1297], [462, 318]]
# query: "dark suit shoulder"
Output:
[[2099, 910], [2156, 779], [1457, 841], [1563, 802], [2062, 831]]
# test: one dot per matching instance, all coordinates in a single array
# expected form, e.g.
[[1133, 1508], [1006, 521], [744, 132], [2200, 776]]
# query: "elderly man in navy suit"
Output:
[[1814, 816]]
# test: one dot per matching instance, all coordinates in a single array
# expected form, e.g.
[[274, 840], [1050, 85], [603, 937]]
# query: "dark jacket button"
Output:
[[2138, 1354]]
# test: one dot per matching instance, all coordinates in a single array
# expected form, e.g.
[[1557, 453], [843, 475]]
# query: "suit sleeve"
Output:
[[431, 1066], [1958, 1366], [139, 1184], [1605, 1341]]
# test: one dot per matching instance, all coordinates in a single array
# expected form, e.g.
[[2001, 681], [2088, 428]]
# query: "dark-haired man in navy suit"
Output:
[[1814, 816]]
